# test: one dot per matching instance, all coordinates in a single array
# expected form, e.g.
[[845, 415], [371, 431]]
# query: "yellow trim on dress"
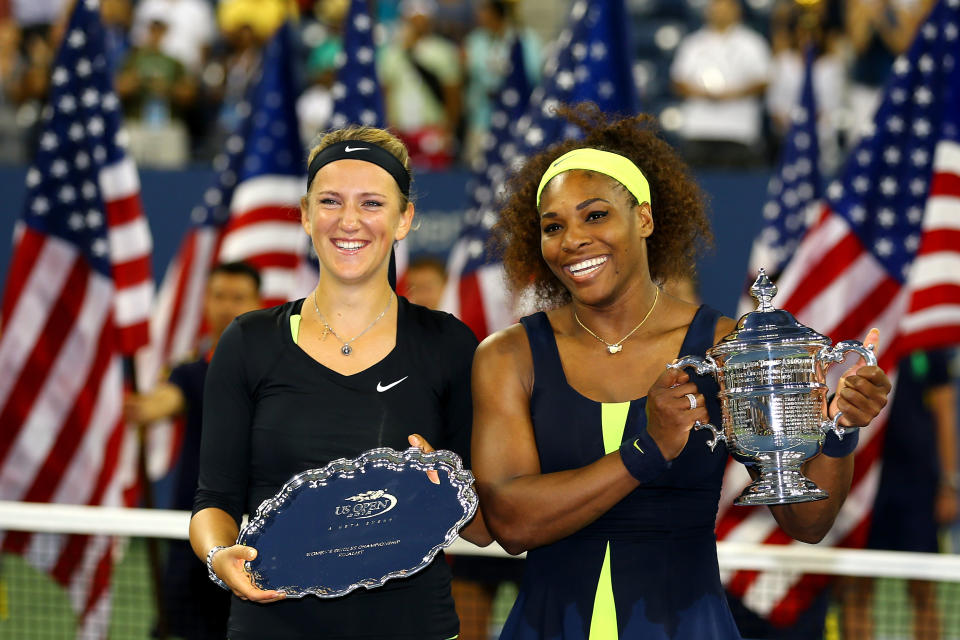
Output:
[[613, 421], [295, 326], [603, 621]]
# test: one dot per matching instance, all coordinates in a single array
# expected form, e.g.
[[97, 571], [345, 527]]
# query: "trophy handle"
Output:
[[718, 435], [703, 365], [837, 352], [834, 425]]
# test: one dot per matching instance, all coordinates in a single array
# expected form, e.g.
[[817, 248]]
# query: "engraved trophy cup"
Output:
[[771, 370]]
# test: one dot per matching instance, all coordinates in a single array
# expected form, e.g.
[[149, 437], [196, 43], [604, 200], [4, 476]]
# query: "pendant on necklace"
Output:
[[346, 349], [614, 348]]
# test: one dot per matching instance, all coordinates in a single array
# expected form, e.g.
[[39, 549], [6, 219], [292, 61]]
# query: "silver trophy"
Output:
[[772, 375]]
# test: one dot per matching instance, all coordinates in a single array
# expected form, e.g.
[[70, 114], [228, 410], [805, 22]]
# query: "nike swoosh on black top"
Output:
[[381, 387]]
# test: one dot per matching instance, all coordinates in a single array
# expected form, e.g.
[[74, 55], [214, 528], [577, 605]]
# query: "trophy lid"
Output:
[[767, 325]]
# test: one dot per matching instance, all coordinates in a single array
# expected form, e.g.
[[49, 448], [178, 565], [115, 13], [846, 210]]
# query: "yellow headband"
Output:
[[614, 165]]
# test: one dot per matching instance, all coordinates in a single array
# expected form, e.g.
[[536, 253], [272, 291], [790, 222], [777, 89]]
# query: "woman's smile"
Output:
[[586, 268], [350, 246]]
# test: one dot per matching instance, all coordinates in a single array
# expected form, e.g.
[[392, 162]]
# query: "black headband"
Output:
[[360, 150]]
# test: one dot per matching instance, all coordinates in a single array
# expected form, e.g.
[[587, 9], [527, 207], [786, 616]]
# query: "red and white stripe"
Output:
[[264, 230], [175, 329], [479, 298], [130, 249], [62, 439], [934, 280], [835, 286]]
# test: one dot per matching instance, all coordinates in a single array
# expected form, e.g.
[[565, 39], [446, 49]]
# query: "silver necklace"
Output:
[[346, 349], [617, 347]]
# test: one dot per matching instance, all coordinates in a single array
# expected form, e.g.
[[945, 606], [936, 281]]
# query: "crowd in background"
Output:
[[722, 75]]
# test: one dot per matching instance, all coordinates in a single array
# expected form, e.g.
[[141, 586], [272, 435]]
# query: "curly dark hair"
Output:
[[681, 227]]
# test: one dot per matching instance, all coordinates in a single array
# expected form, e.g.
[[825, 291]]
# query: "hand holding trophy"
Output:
[[772, 375]]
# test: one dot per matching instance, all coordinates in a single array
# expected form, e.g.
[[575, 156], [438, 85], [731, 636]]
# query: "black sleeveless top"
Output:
[[648, 567]]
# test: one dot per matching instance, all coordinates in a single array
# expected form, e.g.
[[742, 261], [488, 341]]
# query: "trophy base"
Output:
[[780, 482]]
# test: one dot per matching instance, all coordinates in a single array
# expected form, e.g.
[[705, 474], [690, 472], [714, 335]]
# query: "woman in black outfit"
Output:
[[349, 368]]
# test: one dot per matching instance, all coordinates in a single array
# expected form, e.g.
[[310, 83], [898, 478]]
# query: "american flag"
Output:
[[794, 191], [177, 319], [475, 291], [176, 324], [357, 98], [249, 213], [76, 302], [591, 61], [264, 225], [884, 253]]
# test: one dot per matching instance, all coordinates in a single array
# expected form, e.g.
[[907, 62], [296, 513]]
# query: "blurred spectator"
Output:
[[9, 56], [227, 81], [190, 29], [11, 143], [191, 32], [879, 31], [918, 489], [155, 90], [264, 17], [420, 75], [794, 29], [315, 105], [453, 19], [34, 78], [425, 279], [37, 14], [30, 80], [487, 61], [117, 18], [721, 71]]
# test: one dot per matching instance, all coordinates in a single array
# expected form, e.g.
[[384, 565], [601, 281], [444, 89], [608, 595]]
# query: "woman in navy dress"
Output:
[[583, 445]]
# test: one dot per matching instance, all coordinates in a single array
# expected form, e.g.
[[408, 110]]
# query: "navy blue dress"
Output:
[[648, 567]]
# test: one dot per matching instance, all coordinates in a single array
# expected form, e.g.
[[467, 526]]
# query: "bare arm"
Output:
[[164, 401], [693, 91], [859, 19], [214, 527], [523, 507], [867, 17], [898, 34], [943, 404], [810, 521], [452, 106]]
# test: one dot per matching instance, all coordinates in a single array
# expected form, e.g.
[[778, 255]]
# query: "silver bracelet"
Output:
[[213, 574]]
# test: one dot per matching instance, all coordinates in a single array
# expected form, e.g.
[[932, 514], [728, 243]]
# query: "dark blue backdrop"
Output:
[[736, 199]]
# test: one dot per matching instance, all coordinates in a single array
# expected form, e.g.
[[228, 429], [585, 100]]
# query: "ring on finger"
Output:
[[692, 399]]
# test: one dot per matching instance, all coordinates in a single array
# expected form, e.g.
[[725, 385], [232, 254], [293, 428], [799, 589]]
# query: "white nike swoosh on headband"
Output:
[[348, 148]]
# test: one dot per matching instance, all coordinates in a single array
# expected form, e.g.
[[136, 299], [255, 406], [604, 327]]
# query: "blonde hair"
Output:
[[373, 135]]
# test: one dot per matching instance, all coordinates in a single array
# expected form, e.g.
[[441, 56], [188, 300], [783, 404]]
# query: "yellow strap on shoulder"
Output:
[[618, 167]]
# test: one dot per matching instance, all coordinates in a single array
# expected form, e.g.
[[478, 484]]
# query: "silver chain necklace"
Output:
[[346, 349], [617, 347]]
